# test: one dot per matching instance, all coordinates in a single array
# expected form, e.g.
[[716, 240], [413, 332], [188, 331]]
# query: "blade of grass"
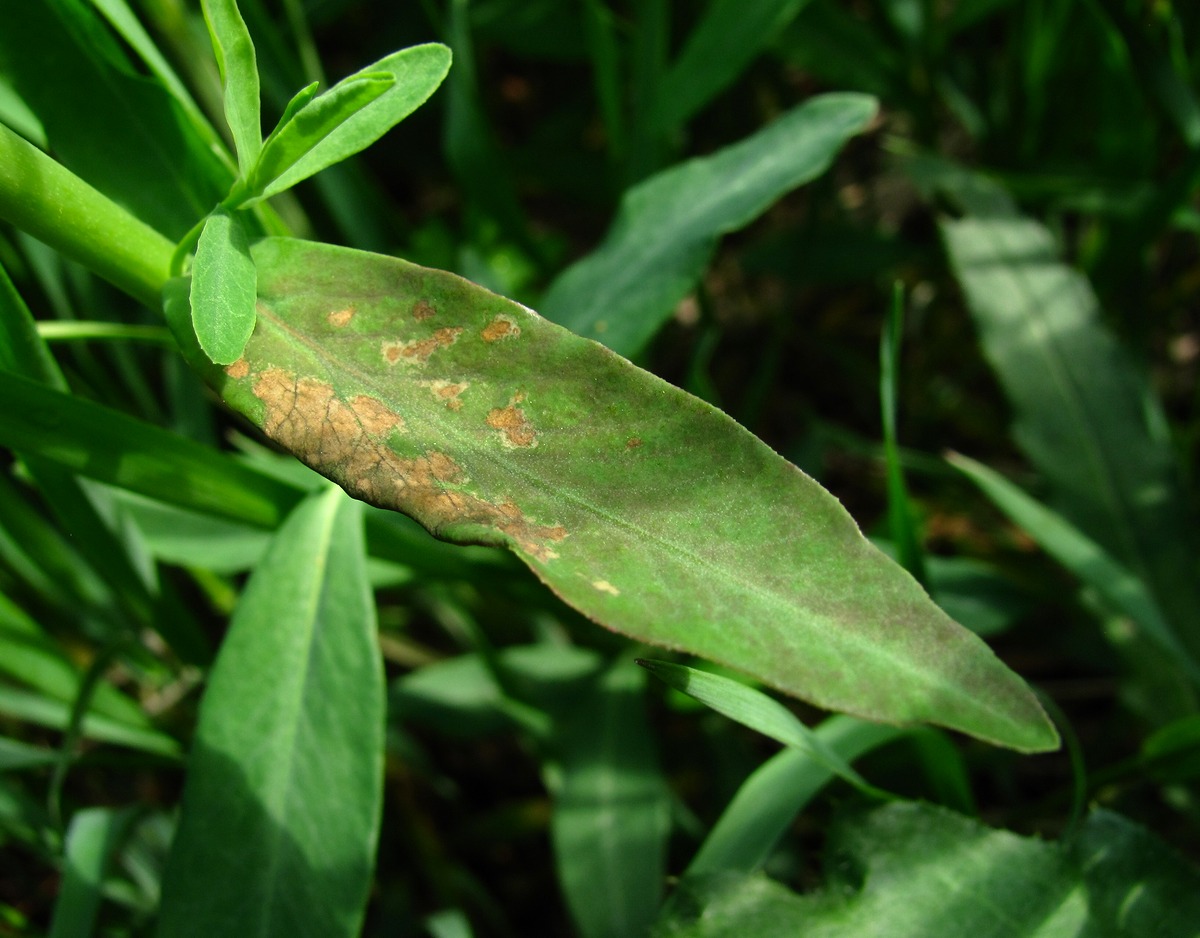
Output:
[[91, 840]]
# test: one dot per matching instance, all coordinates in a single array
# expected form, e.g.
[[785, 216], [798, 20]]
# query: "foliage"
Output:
[[235, 700]]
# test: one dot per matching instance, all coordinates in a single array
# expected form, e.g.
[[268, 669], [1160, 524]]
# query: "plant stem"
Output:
[[45, 199]]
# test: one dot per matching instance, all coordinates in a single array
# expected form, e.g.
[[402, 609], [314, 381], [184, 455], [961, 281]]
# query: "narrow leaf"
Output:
[[759, 712], [239, 78], [300, 132], [1082, 556], [93, 835], [223, 288], [281, 807], [645, 508], [668, 226], [350, 116], [766, 804], [611, 808], [723, 43]]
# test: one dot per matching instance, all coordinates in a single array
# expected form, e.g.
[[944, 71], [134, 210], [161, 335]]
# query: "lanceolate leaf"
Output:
[[653, 513], [239, 76]]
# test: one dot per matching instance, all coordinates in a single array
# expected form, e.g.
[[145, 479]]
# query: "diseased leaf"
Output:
[[223, 288], [645, 508], [668, 226]]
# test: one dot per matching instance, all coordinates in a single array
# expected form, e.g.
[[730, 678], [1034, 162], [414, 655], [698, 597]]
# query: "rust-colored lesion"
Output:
[[340, 318], [633, 442], [423, 310], [238, 370], [501, 327], [450, 392], [347, 442], [417, 351], [515, 428]]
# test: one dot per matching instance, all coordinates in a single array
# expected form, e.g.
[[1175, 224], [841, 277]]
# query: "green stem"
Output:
[[45, 199]]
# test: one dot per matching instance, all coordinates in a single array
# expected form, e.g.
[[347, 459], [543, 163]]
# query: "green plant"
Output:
[[134, 506]]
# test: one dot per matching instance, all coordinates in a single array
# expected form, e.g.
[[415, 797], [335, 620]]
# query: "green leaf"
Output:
[[1084, 415], [91, 839], [643, 507], [726, 40], [668, 226], [1082, 556], [281, 807], [234, 50], [303, 130], [766, 804], [34, 708], [112, 447], [611, 808], [927, 871], [224, 284], [16, 755], [347, 118], [761, 713], [104, 120]]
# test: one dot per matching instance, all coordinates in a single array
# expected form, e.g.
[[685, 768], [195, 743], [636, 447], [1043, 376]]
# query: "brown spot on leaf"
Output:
[[423, 310], [448, 391], [605, 587], [515, 428], [633, 442], [340, 317], [419, 350], [502, 327], [238, 370], [347, 442]]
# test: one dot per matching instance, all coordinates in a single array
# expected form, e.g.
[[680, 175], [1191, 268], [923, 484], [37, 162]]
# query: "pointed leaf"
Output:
[[223, 288], [281, 808], [415, 72], [668, 226], [645, 508], [302, 129], [239, 77]]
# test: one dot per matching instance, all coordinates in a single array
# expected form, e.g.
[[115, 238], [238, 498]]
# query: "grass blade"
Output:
[[281, 808], [91, 839]]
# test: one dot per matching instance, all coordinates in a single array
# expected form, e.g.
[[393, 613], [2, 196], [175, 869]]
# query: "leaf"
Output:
[[760, 713], [651, 512], [349, 117], [766, 804], [234, 50], [223, 288], [1082, 556], [301, 130], [91, 840], [927, 871], [668, 226], [611, 808], [1083, 413], [728, 38], [281, 808]]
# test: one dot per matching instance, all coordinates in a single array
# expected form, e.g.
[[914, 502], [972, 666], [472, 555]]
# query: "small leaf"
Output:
[[91, 839], [281, 808], [760, 713], [300, 132], [643, 507], [224, 282], [349, 117], [239, 77]]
